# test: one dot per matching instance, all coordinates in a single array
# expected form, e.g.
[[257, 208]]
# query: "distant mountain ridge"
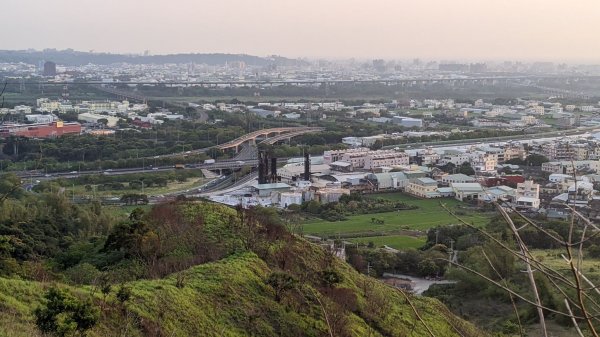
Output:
[[76, 58]]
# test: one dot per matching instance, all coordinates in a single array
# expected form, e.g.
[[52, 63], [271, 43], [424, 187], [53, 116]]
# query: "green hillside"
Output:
[[236, 295], [231, 298]]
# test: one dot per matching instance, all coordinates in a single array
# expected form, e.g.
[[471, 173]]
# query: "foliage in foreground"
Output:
[[264, 282]]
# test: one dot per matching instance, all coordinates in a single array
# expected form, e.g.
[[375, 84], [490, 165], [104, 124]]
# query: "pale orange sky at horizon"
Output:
[[563, 31]]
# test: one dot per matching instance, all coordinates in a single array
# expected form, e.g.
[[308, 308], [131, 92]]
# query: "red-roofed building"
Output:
[[141, 124], [50, 130]]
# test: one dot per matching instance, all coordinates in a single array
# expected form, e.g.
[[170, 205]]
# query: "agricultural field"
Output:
[[394, 241], [590, 267], [171, 187], [390, 228], [107, 185]]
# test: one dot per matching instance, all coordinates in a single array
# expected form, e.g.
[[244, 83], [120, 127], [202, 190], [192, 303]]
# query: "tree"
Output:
[[427, 268], [330, 278], [466, 169], [281, 282], [136, 214], [65, 315], [123, 294], [535, 160], [134, 238]]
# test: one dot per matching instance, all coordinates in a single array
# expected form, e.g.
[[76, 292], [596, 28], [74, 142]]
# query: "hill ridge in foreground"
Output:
[[264, 281], [231, 298]]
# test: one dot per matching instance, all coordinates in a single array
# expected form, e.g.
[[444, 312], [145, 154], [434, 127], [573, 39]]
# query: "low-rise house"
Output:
[[569, 167], [330, 194], [527, 202], [389, 180], [458, 178], [424, 188], [265, 190], [497, 193], [466, 191], [527, 195]]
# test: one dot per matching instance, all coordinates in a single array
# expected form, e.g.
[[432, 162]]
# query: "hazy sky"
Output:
[[559, 30]]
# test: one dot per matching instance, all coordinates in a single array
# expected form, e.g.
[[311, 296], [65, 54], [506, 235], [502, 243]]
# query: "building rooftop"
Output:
[[459, 176], [341, 163], [445, 189], [271, 186], [528, 199], [426, 181], [467, 187]]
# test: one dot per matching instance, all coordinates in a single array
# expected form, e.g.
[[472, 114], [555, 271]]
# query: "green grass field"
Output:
[[429, 214], [552, 258], [122, 212], [172, 187], [394, 241]]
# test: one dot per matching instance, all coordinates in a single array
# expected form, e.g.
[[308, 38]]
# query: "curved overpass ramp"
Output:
[[252, 136]]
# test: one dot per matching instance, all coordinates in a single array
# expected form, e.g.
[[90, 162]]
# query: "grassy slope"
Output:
[[231, 298], [228, 298]]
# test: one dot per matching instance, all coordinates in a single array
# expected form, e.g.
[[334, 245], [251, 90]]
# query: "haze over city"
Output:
[[551, 30], [308, 168]]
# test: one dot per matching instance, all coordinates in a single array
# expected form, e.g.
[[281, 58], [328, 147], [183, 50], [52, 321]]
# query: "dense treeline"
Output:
[[83, 242], [351, 204], [34, 228]]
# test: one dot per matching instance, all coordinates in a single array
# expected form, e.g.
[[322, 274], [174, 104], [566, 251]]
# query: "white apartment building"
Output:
[[528, 189], [537, 110], [385, 158], [336, 155], [485, 164], [514, 152], [458, 178], [568, 167], [455, 157], [429, 156], [423, 188], [527, 194], [94, 118], [366, 158], [35, 118], [529, 120], [588, 108]]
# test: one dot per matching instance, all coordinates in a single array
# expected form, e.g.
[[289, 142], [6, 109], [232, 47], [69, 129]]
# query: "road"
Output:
[[419, 285], [495, 139], [250, 161], [241, 183], [292, 131]]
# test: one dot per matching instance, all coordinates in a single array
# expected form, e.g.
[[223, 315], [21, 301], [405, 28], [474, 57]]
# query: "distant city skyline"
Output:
[[470, 30]]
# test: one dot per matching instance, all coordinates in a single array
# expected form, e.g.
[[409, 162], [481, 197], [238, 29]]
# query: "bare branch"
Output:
[[419, 318], [573, 319], [512, 299]]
